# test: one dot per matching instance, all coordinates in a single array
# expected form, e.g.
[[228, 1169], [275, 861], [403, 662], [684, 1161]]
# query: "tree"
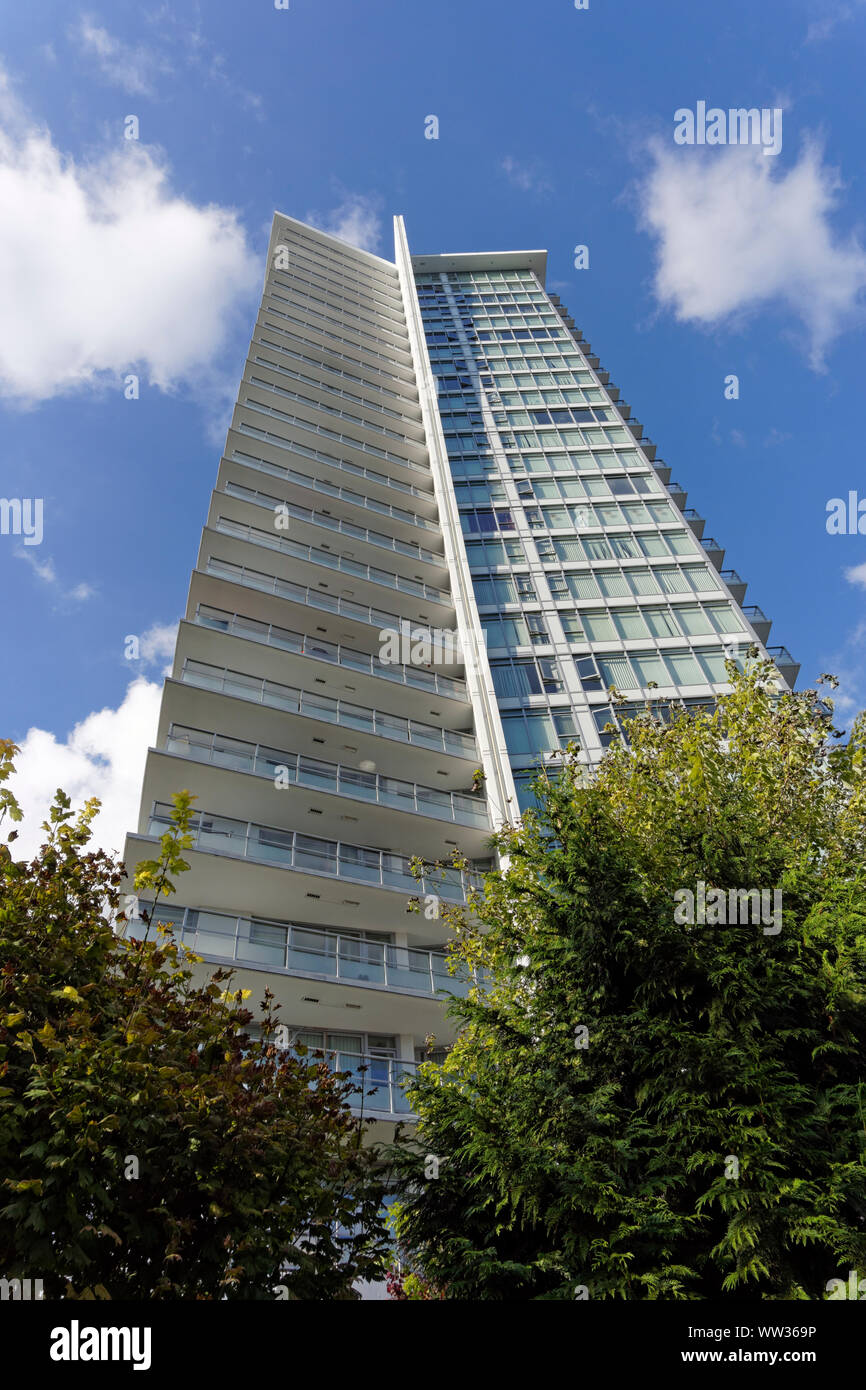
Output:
[[149, 1147], [640, 1105]]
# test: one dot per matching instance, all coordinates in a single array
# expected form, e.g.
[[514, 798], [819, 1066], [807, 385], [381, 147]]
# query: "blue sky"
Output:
[[556, 126]]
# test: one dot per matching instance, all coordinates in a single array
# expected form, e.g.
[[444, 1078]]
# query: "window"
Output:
[[672, 581], [681, 542], [527, 735], [714, 665], [582, 585], [491, 590], [652, 545], [506, 632], [599, 627], [613, 584], [685, 668], [597, 549], [485, 553], [630, 623], [514, 679], [550, 675], [625, 547], [606, 724], [537, 629], [566, 727], [693, 621], [572, 627], [650, 667], [661, 622], [588, 673], [723, 617], [615, 670], [567, 550], [701, 578], [484, 519]]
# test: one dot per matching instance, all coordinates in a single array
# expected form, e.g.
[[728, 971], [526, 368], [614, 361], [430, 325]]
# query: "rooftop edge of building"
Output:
[[482, 260]]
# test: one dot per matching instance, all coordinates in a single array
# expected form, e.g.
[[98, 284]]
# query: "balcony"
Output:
[[404, 399], [366, 403], [329, 711], [348, 441], [383, 1079], [296, 769], [411, 435], [275, 505], [759, 621], [714, 551], [314, 598], [315, 556], [302, 644], [736, 585], [311, 953], [308, 854], [678, 494], [695, 520], [369, 353], [789, 669], [358, 499]]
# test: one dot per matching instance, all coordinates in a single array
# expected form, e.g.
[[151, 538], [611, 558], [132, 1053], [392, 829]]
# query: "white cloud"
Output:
[[103, 756], [157, 644], [733, 234], [835, 14], [526, 177], [45, 570], [856, 574], [104, 269], [134, 67], [357, 220], [137, 67]]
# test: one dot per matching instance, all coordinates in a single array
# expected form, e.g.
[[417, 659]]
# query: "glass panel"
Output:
[[649, 667], [263, 942], [693, 621], [685, 668], [599, 627], [615, 670]]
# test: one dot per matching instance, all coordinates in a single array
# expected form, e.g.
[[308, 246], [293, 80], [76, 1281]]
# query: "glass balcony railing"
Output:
[[359, 499], [304, 950], [315, 556], [366, 403], [289, 849], [331, 523], [383, 1078], [349, 441], [781, 656], [318, 402], [329, 711], [304, 645], [297, 769], [755, 614], [323, 332], [405, 402]]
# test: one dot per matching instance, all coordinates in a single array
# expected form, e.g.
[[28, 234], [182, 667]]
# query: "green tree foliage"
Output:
[[644, 1108], [149, 1148]]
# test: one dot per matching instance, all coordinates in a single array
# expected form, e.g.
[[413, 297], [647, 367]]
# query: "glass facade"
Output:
[[586, 572]]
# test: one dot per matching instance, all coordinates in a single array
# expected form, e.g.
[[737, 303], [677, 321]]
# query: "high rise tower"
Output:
[[436, 540]]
